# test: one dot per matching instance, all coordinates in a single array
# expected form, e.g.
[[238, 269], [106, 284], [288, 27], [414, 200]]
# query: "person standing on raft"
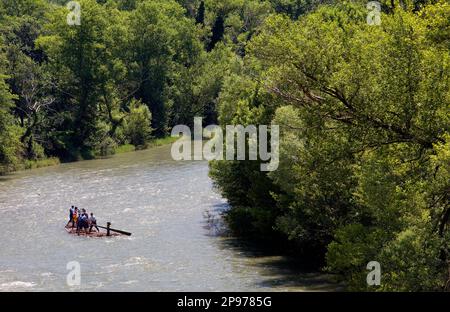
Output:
[[93, 223], [71, 212], [83, 221], [75, 218]]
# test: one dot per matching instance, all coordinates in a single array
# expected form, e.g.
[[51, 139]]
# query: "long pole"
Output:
[[114, 230]]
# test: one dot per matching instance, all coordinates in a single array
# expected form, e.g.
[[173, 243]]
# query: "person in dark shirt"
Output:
[[83, 221], [71, 212]]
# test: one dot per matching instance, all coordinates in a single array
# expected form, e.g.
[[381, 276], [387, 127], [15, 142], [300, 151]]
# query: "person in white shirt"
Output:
[[93, 223]]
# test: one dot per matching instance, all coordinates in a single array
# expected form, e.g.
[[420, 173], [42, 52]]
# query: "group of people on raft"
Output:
[[81, 220]]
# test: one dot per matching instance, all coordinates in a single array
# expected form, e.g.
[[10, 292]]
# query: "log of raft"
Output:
[[114, 230], [93, 233]]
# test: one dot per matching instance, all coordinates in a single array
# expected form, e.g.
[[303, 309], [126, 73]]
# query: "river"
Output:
[[161, 201]]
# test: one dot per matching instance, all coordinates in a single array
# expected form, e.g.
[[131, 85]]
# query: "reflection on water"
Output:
[[278, 272], [162, 202]]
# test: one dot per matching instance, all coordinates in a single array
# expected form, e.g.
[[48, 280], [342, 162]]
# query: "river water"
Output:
[[161, 201]]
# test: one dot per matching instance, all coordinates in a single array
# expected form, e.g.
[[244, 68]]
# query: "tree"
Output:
[[137, 124], [10, 146], [362, 116], [164, 42], [200, 16], [80, 60]]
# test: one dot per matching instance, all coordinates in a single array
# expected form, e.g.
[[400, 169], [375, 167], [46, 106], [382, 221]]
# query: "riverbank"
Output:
[[40, 163], [28, 164], [126, 148], [54, 161]]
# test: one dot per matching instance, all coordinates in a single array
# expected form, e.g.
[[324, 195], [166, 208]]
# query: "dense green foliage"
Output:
[[9, 132], [364, 153], [76, 87], [363, 110]]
